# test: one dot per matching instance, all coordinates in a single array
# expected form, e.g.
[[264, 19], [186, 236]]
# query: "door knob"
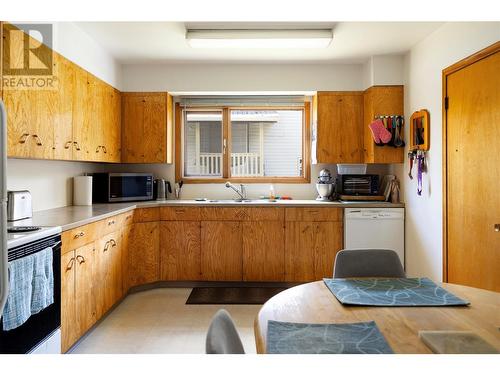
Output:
[[497, 227]]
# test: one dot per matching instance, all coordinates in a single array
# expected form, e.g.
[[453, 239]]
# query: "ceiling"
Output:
[[164, 42]]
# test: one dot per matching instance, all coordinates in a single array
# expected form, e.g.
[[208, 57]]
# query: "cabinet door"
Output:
[[310, 249], [96, 114], [108, 272], [82, 123], [113, 135], [84, 288], [155, 129], [126, 243], [340, 127], [180, 250], [69, 331], [133, 124], [144, 254], [263, 251], [63, 123], [221, 250]]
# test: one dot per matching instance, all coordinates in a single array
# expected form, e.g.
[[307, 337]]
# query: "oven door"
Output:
[[39, 326], [125, 187]]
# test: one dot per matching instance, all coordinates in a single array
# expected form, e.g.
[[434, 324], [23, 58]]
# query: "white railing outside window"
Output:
[[242, 164]]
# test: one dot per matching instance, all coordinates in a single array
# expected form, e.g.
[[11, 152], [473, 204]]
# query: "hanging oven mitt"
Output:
[[379, 132]]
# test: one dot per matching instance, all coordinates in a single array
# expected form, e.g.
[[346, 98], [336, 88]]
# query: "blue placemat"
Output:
[[392, 292], [300, 338]]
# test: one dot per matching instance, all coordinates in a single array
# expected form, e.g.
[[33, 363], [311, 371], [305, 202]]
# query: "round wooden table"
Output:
[[314, 303]]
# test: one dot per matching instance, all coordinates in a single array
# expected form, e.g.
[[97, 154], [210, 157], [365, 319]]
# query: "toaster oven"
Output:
[[358, 184]]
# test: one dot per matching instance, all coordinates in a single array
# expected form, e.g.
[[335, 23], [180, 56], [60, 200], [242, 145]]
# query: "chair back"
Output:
[[222, 336], [367, 263]]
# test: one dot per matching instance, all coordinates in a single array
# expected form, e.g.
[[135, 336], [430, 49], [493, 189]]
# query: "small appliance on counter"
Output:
[[160, 188], [359, 187], [325, 186], [19, 205], [122, 187]]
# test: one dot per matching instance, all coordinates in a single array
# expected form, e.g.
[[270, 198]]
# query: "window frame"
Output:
[[226, 137]]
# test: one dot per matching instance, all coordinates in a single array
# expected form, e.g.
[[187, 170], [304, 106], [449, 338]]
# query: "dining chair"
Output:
[[367, 263], [222, 336]]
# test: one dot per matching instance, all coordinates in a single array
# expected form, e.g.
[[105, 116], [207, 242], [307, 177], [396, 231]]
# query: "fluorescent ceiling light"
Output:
[[311, 38]]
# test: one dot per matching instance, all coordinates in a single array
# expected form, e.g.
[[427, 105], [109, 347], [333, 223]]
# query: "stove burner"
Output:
[[22, 229]]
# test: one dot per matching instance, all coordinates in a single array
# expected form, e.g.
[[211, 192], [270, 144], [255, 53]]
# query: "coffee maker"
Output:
[[325, 186]]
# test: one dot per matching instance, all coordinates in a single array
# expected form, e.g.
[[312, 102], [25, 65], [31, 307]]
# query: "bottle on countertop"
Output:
[[272, 193]]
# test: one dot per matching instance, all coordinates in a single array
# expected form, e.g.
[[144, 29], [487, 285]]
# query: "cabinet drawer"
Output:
[[144, 215], [313, 214], [109, 225], [77, 237], [127, 218], [242, 213], [180, 213]]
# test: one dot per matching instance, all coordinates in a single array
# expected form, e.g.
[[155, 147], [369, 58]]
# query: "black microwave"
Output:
[[357, 184], [121, 187]]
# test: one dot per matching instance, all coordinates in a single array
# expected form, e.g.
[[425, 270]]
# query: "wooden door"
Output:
[[340, 127], [69, 331], [473, 174], [144, 254], [180, 248], [63, 123], [155, 129], [221, 251], [85, 288], [310, 249], [133, 123], [263, 251], [82, 124], [96, 114]]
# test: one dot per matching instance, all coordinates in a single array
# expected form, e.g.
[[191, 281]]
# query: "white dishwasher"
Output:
[[375, 228]]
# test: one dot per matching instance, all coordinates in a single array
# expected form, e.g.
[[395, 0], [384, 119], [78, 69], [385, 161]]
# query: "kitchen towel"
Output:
[[31, 288], [300, 338], [392, 292]]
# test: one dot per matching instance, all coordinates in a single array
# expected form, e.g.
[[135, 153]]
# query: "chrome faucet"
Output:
[[241, 191]]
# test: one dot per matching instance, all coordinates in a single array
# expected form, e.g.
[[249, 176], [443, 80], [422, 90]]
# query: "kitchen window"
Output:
[[243, 143]]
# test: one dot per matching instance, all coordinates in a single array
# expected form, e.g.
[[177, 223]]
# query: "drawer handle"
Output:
[[128, 217], [81, 234], [111, 222], [24, 138], [77, 146], [70, 264], [37, 140], [104, 149], [112, 242], [80, 259]]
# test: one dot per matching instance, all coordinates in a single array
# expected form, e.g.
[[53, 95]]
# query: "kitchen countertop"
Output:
[[74, 216]]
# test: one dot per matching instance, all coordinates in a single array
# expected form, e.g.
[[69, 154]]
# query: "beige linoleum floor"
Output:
[[158, 321]]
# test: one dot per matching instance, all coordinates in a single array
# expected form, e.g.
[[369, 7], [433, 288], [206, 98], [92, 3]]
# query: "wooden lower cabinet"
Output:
[[263, 251], [221, 250], [78, 308], [108, 273], [310, 249], [180, 250], [144, 254]]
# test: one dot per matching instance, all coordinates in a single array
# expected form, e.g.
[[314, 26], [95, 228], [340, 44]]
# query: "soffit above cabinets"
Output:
[[165, 42]]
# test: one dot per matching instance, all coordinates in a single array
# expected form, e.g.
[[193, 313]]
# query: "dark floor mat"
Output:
[[232, 295]]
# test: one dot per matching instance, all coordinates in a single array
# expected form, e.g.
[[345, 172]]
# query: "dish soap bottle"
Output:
[[272, 193]]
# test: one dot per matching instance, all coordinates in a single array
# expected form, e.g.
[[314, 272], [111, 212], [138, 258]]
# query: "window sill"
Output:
[[248, 180]]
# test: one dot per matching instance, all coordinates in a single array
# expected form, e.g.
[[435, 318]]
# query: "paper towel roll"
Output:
[[82, 190]]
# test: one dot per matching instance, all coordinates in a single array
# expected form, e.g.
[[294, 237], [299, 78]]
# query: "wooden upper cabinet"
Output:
[[379, 101], [339, 127], [147, 127]]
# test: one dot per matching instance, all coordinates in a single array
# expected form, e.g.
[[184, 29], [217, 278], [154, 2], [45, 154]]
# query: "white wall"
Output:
[[242, 77], [50, 182], [423, 68], [383, 70]]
